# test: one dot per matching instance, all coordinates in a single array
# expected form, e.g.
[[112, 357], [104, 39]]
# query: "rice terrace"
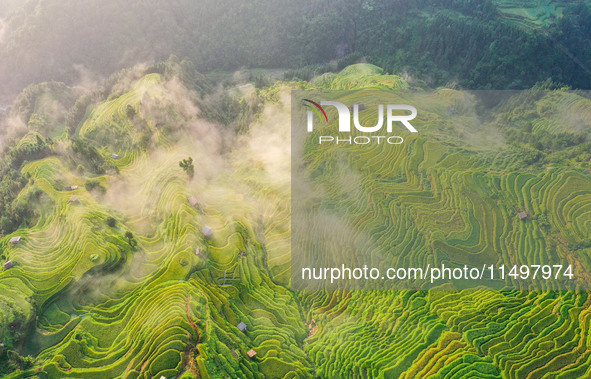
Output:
[[214, 248]]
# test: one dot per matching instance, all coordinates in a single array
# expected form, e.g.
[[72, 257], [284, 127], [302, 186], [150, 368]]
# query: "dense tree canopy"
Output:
[[466, 41]]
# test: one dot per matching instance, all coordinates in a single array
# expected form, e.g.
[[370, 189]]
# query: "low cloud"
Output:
[[11, 128]]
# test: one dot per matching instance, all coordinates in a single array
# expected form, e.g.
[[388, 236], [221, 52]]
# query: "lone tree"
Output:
[[130, 240], [130, 111], [187, 166]]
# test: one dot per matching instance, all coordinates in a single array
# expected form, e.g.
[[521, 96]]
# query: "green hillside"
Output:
[[146, 269], [87, 301], [449, 195]]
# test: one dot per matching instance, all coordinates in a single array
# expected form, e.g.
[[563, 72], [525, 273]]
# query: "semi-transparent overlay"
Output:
[[492, 191]]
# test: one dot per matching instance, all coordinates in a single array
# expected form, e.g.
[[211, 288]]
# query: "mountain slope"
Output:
[[146, 270]]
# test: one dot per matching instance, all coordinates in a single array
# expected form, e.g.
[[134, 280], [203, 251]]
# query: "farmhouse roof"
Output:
[[193, 201], [207, 231]]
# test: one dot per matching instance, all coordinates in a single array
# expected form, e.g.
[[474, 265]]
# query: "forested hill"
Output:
[[478, 44]]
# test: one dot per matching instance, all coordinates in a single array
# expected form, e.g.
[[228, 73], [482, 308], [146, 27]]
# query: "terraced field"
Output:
[[87, 299], [532, 14], [98, 305], [426, 202]]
